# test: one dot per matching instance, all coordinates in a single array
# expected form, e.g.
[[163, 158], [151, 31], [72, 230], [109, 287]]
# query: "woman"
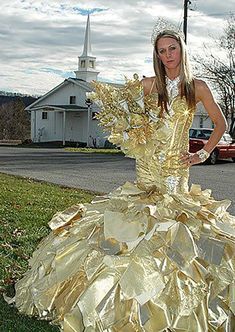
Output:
[[169, 49], [150, 256]]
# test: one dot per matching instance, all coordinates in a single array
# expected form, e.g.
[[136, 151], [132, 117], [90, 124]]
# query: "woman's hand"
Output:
[[188, 159]]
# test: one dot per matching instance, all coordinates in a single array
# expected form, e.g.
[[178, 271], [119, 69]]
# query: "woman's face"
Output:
[[169, 52]]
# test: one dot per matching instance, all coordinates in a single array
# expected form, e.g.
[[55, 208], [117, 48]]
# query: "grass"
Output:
[[26, 206], [92, 150], [12, 321]]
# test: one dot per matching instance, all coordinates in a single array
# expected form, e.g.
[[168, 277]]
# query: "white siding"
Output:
[[62, 96], [43, 130], [201, 118]]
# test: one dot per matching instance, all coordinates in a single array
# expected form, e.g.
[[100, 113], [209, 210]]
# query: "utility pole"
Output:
[[186, 3]]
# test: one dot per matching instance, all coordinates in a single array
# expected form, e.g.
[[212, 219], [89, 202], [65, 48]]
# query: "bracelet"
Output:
[[203, 155]]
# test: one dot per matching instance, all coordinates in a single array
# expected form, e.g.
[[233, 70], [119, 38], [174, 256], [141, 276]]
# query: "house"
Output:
[[64, 114], [201, 118]]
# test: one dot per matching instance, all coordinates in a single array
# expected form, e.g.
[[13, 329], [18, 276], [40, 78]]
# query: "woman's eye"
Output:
[[172, 48]]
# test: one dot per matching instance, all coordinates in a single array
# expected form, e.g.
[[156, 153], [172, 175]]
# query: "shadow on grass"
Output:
[[12, 321]]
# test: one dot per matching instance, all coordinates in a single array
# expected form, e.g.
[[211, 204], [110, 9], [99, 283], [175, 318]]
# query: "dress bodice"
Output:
[[155, 141], [164, 168]]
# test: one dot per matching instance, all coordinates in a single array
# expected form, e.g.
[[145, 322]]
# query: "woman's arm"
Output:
[[203, 94]]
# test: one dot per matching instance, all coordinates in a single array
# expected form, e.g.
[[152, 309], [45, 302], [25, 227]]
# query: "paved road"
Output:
[[103, 173]]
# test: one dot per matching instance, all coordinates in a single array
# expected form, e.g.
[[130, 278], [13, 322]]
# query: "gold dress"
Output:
[[150, 256]]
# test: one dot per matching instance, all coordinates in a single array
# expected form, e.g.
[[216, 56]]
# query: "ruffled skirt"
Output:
[[136, 260]]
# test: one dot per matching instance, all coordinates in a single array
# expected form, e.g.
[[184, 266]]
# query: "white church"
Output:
[[65, 115]]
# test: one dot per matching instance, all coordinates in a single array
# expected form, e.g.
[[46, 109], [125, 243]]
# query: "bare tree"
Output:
[[14, 121], [222, 72]]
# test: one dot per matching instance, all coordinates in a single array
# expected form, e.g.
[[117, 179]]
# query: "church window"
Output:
[[44, 116], [72, 99], [83, 63], [91, 64]]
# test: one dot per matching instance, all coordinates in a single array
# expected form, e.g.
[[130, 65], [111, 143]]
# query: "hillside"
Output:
[[9, 97]]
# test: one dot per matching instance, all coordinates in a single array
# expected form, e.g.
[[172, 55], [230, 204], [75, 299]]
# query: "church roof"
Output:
[[81, 81]]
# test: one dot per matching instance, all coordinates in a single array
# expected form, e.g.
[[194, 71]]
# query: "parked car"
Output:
[[198, 137]]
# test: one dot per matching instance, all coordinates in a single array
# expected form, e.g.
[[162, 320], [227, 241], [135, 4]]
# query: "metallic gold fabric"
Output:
[[150, 256]]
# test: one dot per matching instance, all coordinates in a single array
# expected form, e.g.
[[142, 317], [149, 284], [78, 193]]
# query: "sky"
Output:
[[41, 40]]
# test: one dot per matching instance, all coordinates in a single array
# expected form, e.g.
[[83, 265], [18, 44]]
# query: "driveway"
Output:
[[96, 172], [102, 173]]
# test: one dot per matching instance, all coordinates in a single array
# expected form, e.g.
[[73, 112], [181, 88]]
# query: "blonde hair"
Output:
[[187, 87]]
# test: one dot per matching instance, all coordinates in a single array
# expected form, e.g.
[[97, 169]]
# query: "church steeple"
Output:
[[87, 62], [87, 41]]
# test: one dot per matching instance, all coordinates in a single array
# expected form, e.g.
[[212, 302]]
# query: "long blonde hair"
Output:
[[187, 87]]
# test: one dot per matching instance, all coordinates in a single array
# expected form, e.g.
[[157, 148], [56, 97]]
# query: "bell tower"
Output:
[[87, 62]]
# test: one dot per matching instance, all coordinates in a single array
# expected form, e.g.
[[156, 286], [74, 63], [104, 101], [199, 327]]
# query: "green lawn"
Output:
[[26, 206]]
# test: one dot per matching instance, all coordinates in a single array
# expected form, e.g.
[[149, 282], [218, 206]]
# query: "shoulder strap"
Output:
[[151, 89]]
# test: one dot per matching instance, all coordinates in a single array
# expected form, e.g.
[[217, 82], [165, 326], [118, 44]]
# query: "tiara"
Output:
[[163, 24]]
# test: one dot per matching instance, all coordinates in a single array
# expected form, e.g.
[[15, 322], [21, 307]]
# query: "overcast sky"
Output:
[[41, 40]]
